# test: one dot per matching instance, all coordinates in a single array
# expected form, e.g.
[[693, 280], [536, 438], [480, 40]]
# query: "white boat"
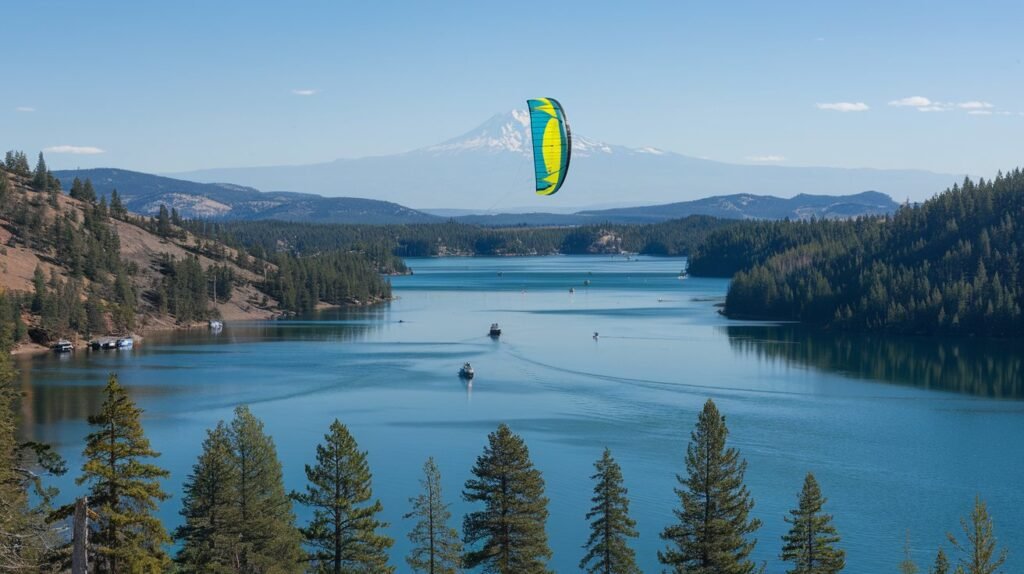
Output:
[[466, 372], [125, 343], [216, 325], [63, 346]]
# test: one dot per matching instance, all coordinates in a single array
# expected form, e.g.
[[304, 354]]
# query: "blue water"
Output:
[[891, 451]]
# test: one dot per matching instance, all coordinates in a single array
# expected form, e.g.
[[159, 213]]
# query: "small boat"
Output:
[[572, 290], [586, 283], [125, 343], [596, 335], [466, 372], [96, 344], [495, 330], [62, 346], [216, 325]]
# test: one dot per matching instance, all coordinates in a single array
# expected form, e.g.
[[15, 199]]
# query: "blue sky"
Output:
[[161, 86]]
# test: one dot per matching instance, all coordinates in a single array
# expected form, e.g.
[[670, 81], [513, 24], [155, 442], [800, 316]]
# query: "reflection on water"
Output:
[[986, 368]]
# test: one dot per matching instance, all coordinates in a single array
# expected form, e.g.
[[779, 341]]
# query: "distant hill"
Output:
[[739, 206], [748, 206], [491, 165], [144, 193]]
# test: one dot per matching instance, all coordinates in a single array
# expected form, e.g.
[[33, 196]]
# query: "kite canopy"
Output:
[[552, 144]]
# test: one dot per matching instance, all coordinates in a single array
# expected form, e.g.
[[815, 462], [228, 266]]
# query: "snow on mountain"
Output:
[[490, 167]]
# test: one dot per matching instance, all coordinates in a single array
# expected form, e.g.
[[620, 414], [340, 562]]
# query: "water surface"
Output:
[[901, 433]]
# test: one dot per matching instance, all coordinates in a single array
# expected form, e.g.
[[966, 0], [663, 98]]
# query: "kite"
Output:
[[552, 144]]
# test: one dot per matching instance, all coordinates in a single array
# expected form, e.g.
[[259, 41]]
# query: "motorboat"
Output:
[[216, 325], [466, 372], [495, 330], [125, 343], [62, 346]]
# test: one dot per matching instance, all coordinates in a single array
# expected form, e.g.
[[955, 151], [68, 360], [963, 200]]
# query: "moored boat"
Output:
[[63, 346], [125, 343], [216, 325]]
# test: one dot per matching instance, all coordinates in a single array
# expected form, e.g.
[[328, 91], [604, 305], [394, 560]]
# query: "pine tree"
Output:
[[343, 531], [40, 179], [123, 489], [978, 553], [941, 565], [26, 538], [88, 191], [117, 209], [38, 289], [810, 543], [436, 546], [209, 537], [714, 529], [508, 535], [163, 221], [268, 539], [907, 566], [611, 527]]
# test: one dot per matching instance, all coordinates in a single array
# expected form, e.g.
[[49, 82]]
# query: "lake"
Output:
[[901, 433]]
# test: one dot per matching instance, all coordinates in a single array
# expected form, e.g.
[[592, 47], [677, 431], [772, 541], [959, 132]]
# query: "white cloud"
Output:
[[975, 105], [980, 112], [914, 102], [24, 109], [844, 106], [935, 108], [766, 158], [306, 92], [74, 149]]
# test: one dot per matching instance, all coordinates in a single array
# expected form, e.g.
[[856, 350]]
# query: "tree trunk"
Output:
[[80, 537]]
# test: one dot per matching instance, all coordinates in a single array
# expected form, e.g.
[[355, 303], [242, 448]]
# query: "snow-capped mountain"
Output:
[[489, 168]]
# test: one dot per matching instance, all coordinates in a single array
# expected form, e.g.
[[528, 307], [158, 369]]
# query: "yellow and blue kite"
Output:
[[552, 144]]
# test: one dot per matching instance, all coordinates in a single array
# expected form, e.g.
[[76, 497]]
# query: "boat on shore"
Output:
[[63, 346], [125, 343], [216, 325], [466, 372], [495, 330]]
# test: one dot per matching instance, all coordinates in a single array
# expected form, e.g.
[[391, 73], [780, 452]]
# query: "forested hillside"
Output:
[[951, 265], [677, 237], [77, 266]]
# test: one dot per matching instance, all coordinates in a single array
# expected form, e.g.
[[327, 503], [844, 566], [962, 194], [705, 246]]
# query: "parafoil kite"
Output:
[[552, 144]]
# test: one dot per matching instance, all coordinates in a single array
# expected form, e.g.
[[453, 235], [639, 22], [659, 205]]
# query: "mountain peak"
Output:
[[510, 132]]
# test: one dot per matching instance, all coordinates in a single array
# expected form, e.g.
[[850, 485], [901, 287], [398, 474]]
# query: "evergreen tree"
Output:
[[907, 565], [714, 529], [436, 546], [209, 537], [88, 191], [810, 543], [38, 289], [163, 221], [26, 538], [343, 531], [979, 553], [941, 565], [123, 489], [40, 178], [268, 539], [610, 527], [76, 189], [507, 536], [117, 209]]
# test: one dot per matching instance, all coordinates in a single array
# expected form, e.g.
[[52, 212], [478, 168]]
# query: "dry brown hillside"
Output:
[[30, 220]]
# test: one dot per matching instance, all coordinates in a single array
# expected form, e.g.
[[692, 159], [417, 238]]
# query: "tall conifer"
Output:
[[209, 537], [436, 546], [810, 543], [979, 553], [713, 535], [124, 490], [608, 550], [507, 536], [268, 538], [344, 530]]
